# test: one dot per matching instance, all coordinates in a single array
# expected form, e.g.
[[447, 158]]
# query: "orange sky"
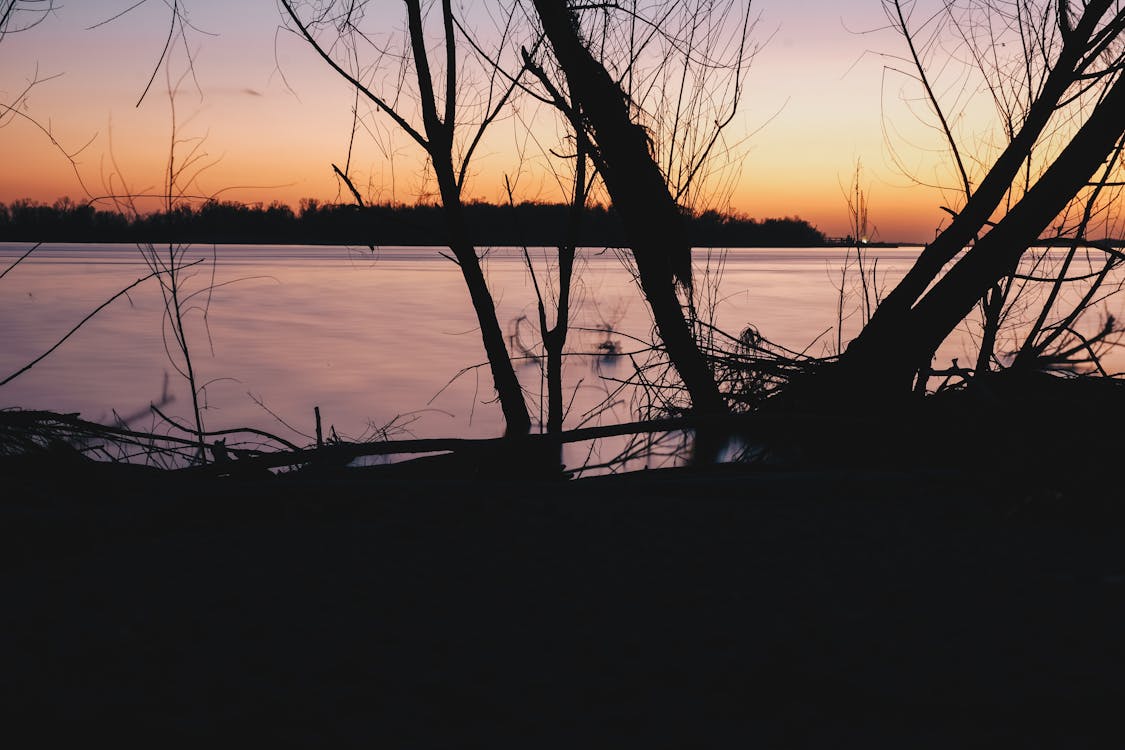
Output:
[[269, 118]]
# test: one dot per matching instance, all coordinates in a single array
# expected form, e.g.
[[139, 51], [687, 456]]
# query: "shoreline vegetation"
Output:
[[316, 223]]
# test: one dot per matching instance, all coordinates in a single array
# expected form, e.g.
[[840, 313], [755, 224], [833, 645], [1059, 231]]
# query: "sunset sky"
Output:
[[270, 118]]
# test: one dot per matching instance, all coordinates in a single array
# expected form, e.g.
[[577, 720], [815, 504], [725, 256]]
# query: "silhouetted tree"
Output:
[[1078, 96], [438, 136], [554, 337], [642, 193], [1068, 117]]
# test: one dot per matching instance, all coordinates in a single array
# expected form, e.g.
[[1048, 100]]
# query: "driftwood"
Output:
[[1050, 423], [41, 433]]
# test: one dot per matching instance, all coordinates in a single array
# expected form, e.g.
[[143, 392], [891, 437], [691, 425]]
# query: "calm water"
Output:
[[372, 339]]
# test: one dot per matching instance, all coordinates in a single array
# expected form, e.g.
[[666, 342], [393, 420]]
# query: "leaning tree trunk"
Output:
[[984, 200], [881, 362], [650, 215]]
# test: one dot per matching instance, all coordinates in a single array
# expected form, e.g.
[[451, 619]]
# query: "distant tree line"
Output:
[[229, 222]]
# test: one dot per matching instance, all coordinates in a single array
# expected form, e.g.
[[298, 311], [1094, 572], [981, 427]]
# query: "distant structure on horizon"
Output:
[[849, 241]]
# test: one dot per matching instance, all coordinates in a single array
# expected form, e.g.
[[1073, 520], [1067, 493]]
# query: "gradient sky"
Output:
[[269, 118]]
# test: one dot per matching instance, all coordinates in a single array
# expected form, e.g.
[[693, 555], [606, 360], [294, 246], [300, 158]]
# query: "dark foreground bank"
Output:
[[734, 609]]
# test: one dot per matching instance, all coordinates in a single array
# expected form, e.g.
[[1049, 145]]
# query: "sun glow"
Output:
[[257, 117]]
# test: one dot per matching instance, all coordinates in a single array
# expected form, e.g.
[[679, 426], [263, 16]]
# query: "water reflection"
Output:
[[384, 344]]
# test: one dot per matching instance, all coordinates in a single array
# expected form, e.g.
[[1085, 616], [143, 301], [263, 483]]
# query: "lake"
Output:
[[383, 342]]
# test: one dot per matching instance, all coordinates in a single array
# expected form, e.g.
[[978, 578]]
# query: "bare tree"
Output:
[[1062, 120], [168, 261], [647, 182], [554, 337], [447, 134]]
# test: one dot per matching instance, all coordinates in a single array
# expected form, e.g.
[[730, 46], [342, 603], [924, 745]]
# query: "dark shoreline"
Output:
[[531, 224], [829, 608]]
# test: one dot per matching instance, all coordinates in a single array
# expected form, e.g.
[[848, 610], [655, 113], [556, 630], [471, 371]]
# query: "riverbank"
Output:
[[833, 608]]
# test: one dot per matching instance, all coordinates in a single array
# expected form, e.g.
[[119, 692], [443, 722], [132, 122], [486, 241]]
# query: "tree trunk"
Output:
[[969, 222], [650, 215], [439, 132], [554, 341], [884, 358], [516, 417]]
